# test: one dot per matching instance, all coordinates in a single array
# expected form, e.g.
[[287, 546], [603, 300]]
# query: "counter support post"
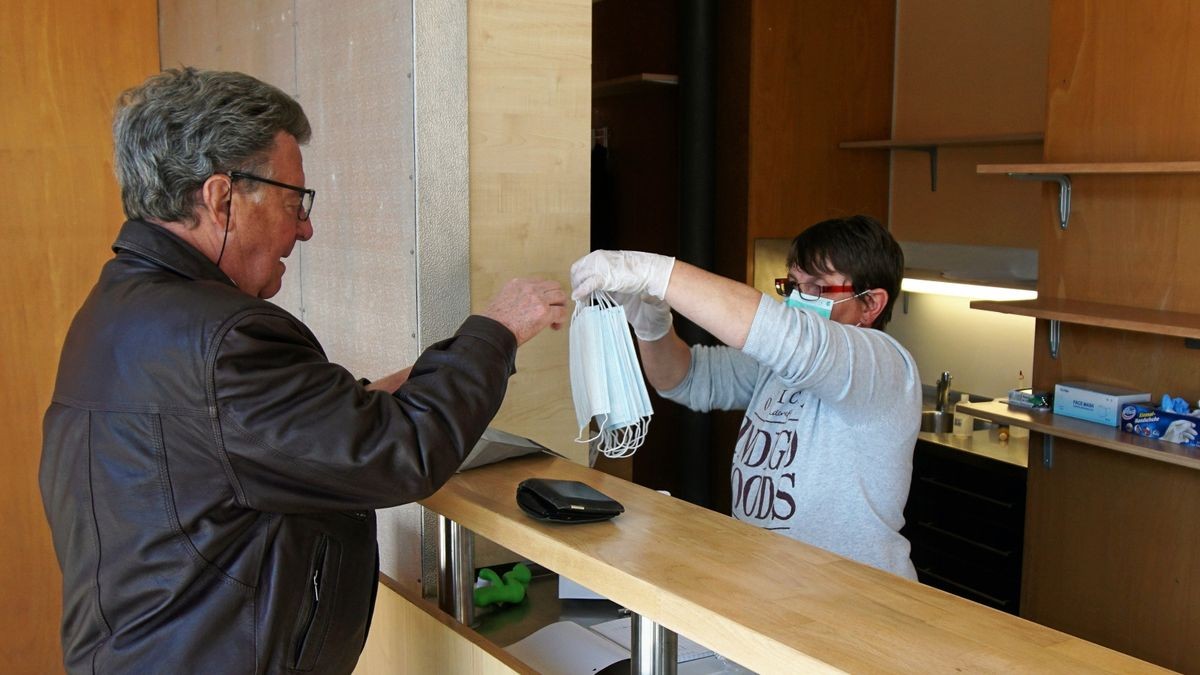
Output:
[[655, 649], [456, 570]]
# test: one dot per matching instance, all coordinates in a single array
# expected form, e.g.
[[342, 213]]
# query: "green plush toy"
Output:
[[509, 591]]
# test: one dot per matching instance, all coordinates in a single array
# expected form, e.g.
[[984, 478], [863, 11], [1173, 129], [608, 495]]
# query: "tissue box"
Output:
[[1152, 422], [1094, 402]]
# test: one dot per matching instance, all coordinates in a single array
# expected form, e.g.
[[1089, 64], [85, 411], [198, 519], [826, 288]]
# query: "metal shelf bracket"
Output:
[[1055, 337], [1048, 451], [933, 153], [1064, 191]]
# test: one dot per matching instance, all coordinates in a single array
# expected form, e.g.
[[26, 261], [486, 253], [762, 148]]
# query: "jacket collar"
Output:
[[159, 245]]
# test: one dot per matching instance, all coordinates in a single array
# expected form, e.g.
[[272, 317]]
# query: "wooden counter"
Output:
[[766, 601]]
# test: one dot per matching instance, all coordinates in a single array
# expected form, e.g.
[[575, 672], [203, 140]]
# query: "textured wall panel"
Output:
[[359, 282], [253, 37], [443, 212], [359, 278]]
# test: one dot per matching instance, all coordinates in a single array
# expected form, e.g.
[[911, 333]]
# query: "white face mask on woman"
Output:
[[822, 306], [606, 379]]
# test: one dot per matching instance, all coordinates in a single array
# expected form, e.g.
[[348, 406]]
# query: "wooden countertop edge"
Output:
[[837, 614], [412, 594], [668, 609]]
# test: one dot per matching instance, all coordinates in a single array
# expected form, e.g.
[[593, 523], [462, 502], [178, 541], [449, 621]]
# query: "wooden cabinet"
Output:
[[965, 519], [1110, 547]]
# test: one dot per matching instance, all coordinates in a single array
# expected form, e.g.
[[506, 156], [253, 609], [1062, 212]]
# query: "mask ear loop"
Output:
[[603, 299]]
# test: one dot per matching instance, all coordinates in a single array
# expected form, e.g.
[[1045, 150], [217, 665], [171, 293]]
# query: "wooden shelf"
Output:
[[931, 145], [1091, 168], [923, 143], [1091, 433], [1061, 174], [632, 83], [1135, 319]]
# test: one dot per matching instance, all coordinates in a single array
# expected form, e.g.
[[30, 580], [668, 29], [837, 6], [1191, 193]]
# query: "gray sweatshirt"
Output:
[[824, 453]]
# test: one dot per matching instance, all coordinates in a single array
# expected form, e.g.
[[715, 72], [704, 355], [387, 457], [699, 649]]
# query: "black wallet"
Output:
[[565, 501]]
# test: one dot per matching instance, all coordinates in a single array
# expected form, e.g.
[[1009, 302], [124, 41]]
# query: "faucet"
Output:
[[943, 391]]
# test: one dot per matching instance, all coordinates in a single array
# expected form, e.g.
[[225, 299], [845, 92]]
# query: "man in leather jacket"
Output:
[[209, 476]]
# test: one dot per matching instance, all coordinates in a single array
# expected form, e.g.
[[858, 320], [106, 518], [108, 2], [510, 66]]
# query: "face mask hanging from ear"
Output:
[[606, 379]]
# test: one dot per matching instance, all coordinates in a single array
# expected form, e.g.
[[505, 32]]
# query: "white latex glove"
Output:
[[632, 272], [1180, 431], [649, 316]]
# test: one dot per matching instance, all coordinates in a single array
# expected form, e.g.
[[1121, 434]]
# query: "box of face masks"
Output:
[[1151, 422], [1094, 402]]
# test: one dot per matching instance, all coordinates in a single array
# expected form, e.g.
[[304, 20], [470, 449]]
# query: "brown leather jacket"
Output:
[[210, 477]]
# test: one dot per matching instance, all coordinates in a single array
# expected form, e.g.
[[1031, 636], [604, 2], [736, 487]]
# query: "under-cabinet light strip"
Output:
[[965, 290]]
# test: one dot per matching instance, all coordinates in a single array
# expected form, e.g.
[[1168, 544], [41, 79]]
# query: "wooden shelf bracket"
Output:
[[1064, 191]]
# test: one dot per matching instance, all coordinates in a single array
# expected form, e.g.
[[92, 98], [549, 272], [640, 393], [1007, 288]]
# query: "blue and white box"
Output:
[[1094, 402], [1151, 422]]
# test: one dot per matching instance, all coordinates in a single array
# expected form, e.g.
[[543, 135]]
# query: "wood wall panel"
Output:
[[529, 75], [410, 635], [63, 65], [967, 208], [1111, 543], [1135, 589], [968, 69], [820, 73], [1122, 79]]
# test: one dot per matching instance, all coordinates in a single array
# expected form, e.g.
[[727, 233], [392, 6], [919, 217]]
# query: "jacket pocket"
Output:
[[320, 595]]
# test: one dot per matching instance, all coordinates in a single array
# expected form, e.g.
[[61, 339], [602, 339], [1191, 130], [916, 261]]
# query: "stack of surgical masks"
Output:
[[606, 379]]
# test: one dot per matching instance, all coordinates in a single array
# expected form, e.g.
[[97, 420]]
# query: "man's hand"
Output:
[[649, 316], [631, 272], [526, 306]]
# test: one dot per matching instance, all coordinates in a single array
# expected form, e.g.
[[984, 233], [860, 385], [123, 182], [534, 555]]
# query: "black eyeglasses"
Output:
[[784, 286], [307, 196]]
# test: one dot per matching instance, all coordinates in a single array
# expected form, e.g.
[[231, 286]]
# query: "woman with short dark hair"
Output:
[[833, 404]]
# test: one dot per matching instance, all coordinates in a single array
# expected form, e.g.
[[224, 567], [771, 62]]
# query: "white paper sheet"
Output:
[[566, 648]]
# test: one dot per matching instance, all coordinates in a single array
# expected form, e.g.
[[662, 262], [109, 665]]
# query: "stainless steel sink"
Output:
[[936, 422]]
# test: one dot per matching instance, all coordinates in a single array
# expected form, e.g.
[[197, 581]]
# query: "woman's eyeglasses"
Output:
[[784, 286]]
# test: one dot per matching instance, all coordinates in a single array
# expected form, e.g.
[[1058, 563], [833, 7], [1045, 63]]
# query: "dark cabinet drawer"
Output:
[[965, 520]]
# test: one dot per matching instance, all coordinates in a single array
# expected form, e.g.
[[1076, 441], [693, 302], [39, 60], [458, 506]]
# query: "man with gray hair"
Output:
[[209, 476]]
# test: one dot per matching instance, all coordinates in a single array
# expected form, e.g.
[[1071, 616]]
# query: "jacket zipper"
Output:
[[314, 587]]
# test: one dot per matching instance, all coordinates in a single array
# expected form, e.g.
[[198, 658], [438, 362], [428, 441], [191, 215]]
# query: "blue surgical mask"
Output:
[[606, 381], [822, 306]]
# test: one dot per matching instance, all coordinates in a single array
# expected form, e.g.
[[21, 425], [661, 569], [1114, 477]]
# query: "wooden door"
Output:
[[62, 64]]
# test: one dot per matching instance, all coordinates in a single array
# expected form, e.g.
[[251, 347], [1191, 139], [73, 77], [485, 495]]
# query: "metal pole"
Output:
[[456, 570], [655, 649]]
